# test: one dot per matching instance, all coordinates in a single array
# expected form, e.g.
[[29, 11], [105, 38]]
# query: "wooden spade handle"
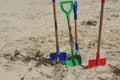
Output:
[[75, 18], [71, 37], [76, 33], [100, 26], [55, 22]]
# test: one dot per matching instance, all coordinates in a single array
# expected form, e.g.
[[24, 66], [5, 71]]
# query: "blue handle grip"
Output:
[[58, 49], [53, 1], [77, 48], [75, 10]]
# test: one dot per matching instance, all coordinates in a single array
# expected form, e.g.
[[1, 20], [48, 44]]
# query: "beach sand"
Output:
[[27, 38]]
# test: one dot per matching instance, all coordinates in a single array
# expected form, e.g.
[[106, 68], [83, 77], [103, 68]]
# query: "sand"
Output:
[[27, 39]]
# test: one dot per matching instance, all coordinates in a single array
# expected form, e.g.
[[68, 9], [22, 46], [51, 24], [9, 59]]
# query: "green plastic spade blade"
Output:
[[74, 59], [67, 13]]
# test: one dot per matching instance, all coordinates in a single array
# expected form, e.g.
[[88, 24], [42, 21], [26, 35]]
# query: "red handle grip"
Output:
[[103, 1]]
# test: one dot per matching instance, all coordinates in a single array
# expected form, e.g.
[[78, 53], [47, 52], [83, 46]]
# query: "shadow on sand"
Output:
[[38, 58]]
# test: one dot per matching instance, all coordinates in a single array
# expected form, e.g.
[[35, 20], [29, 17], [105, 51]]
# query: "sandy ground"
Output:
[[27, 38]]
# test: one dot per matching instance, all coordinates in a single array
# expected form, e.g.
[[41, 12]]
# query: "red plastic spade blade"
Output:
[[93, 63], [101, 61]]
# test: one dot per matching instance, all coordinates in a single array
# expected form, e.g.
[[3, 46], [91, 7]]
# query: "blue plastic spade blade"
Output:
[[63, 56], [53, 56]]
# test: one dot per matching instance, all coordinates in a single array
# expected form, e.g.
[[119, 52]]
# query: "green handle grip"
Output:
[[67, 13]]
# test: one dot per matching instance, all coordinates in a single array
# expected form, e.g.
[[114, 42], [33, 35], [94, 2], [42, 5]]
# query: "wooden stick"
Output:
[[76, 33], [71, 37], [100, 27], [55, 22]]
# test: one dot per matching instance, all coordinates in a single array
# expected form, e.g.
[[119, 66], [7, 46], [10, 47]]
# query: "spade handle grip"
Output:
[[53, 1], [75, 10], [103, 1], [67, 12]]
